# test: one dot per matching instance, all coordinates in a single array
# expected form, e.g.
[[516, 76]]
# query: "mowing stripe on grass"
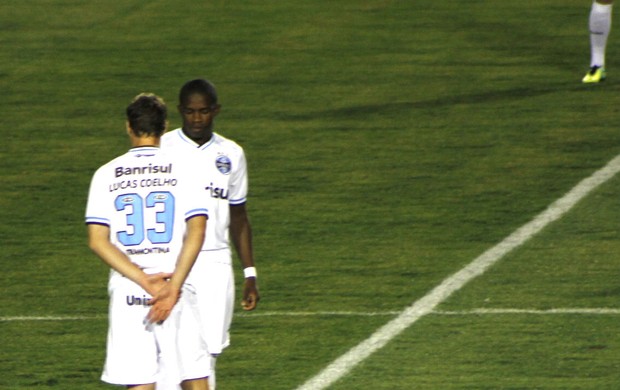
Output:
[[425, 305]]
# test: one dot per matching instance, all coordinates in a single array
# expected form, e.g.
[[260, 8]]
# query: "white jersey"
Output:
[[145, 196], [224, 174]]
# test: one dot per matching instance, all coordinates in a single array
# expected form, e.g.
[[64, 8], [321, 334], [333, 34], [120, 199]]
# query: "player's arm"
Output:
[[167, 297], [241, 234], [99, 242]]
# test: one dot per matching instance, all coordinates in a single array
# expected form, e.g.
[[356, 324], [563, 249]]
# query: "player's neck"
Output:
[[141, 142], [205, 139], [200, 140]]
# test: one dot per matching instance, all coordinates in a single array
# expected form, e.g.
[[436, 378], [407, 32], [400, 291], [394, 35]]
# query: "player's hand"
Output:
[[250, 294], [155, 282], [162, 303]]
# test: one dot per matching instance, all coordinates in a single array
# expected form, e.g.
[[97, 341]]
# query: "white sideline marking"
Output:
[[52, 318], [585, 310], [425, 305]]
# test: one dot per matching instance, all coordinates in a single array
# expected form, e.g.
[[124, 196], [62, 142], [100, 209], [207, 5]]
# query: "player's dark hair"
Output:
[[147, 115], [200, 86]]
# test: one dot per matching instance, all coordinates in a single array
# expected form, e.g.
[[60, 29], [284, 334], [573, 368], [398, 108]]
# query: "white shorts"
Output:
[[206, 313], [134, 349]]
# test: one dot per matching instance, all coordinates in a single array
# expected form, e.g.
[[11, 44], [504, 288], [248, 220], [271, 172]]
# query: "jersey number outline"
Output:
[[135, 217]]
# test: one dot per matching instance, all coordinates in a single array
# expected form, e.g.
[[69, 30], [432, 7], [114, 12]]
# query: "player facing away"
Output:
[[146, 218], [203, 332], [600, 25]]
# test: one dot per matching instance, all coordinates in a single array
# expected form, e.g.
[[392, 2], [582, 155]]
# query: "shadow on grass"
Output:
[[495, 96]]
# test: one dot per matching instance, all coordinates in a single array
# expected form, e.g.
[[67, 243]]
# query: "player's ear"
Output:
[[216, 109], [129, 132]]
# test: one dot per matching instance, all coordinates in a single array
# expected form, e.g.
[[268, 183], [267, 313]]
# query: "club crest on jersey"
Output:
[[223, 164]]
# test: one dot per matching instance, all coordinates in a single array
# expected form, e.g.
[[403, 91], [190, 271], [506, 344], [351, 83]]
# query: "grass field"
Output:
[[390, 143]]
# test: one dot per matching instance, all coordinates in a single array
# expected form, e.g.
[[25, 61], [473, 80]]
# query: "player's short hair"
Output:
[[200, 86], [147, 115]]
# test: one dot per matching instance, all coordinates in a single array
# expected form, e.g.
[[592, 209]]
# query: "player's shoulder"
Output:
[[149, 156], [185, 157], [171, 133], [223, 142], [112, 164], [171, 137]]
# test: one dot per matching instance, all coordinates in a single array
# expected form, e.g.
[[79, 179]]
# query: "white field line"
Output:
[[425, 305], [479, 311], [578, 311], [51, 318], [598, 311]]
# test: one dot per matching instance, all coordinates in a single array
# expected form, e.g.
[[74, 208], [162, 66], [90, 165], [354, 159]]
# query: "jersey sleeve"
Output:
[[96, 212], [195, 203], [238, 185]]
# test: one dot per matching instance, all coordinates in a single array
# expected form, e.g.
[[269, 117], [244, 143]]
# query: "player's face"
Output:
[[198, 113]]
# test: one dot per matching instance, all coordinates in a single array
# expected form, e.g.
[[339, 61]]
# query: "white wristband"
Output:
[[249, 272]]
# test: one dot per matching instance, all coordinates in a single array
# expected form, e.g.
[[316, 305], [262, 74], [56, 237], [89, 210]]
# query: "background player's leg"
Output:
[[212, 377], [600, 26]]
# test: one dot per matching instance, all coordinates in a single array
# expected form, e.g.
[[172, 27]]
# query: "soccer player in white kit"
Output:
[[203, 332], [146, 218]]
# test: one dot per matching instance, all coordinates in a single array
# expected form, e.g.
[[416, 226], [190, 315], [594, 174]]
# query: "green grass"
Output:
[[496, 352], [390, 143]]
